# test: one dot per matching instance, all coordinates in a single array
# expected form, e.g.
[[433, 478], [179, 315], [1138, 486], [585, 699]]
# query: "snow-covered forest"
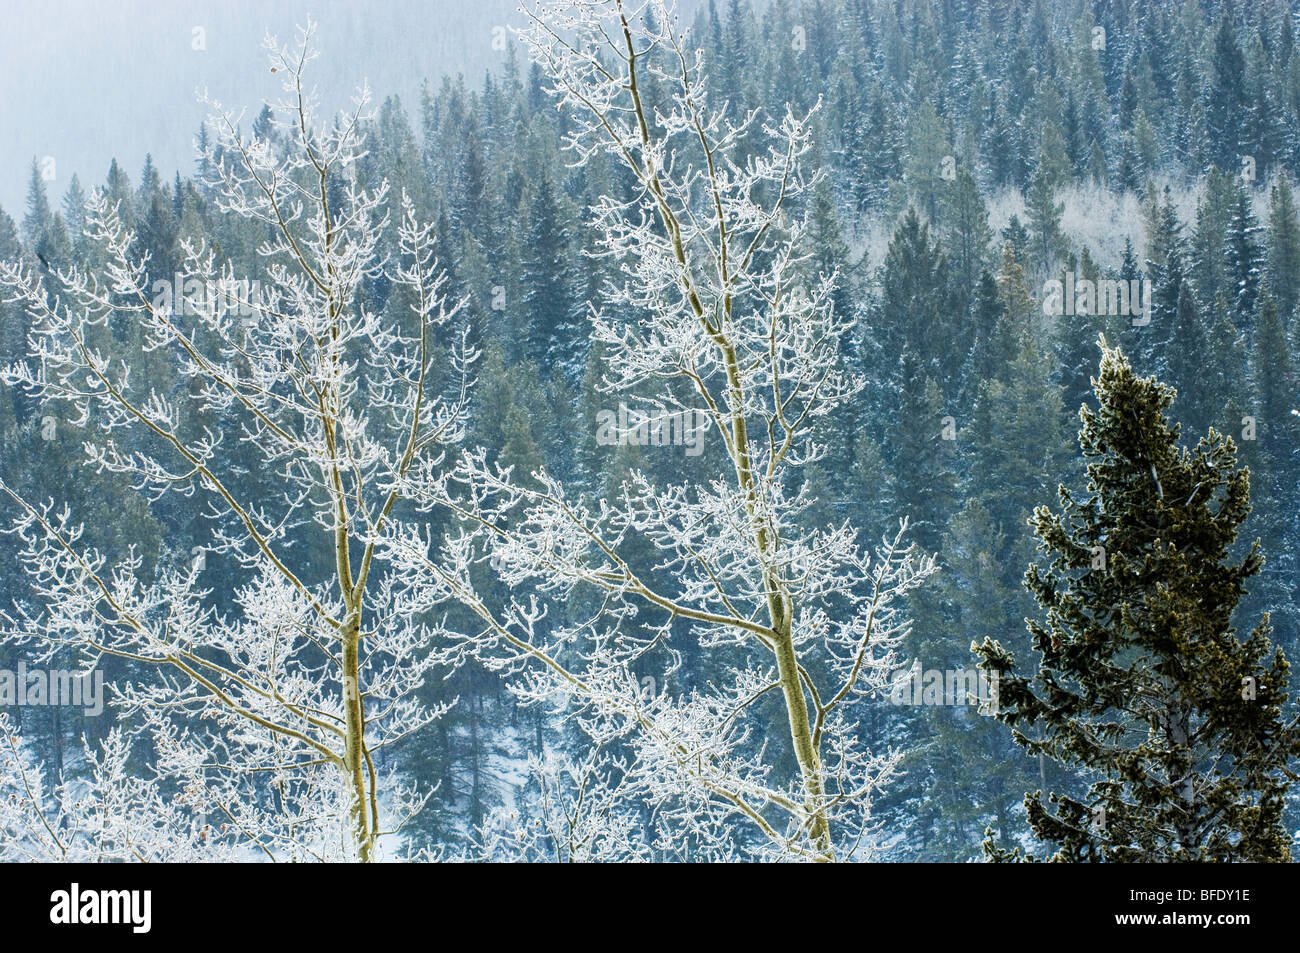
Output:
[[770, 430]]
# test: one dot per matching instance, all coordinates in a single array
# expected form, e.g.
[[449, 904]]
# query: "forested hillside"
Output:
[[967, 169]]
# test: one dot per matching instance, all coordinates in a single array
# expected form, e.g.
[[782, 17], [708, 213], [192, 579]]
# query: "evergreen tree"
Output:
[[1188, 349], [1073, 344], [872, 148], [1020, 305], [74, 213], [38, 216], [966, 233], [1263, 135], [928, 148], [1225, 96], [915, 314], [1283, 249], [1167, 276], [829, 253], [1017, 435], [1047, 244], [1242, 255], [15, 405], [995, 334], [1207, 251], [923, 457], [1015, 234], [1274, 461], [1142, 679], [118, 187], [552, 313]]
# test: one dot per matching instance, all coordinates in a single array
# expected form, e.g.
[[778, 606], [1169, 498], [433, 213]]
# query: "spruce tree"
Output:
[[551, 314], [828, 252], [1243, 258], [1016, 235], [1225, 100], [921, 445], [1142, 681], [966, 234], [927, 145], [1207, 251], [995, 334], [1283, 248], [1188, 349], [1072, 338], [1273, 382], [1047, 243], [38, 216], [1167, 273], [915, 313]]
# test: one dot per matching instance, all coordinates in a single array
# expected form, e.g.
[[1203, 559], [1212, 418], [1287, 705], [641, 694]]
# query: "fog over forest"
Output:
[[86, 81]]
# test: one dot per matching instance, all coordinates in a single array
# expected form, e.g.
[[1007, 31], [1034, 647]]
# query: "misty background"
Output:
[[84, 81]]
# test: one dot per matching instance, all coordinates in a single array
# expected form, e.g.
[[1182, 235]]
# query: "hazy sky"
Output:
[[84, 81]]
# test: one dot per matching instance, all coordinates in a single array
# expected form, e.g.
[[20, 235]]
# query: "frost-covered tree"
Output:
[[111, 814], [766, 758], [266, 704]]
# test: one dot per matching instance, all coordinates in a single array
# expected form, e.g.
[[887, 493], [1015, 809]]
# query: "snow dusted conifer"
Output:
[[1142, 680]]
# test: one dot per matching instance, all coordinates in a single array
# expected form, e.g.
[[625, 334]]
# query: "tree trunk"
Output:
[[354, 740], [800, 733]]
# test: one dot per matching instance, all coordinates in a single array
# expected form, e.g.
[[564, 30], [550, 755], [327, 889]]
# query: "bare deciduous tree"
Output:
[[268, 703], [712, 249]]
